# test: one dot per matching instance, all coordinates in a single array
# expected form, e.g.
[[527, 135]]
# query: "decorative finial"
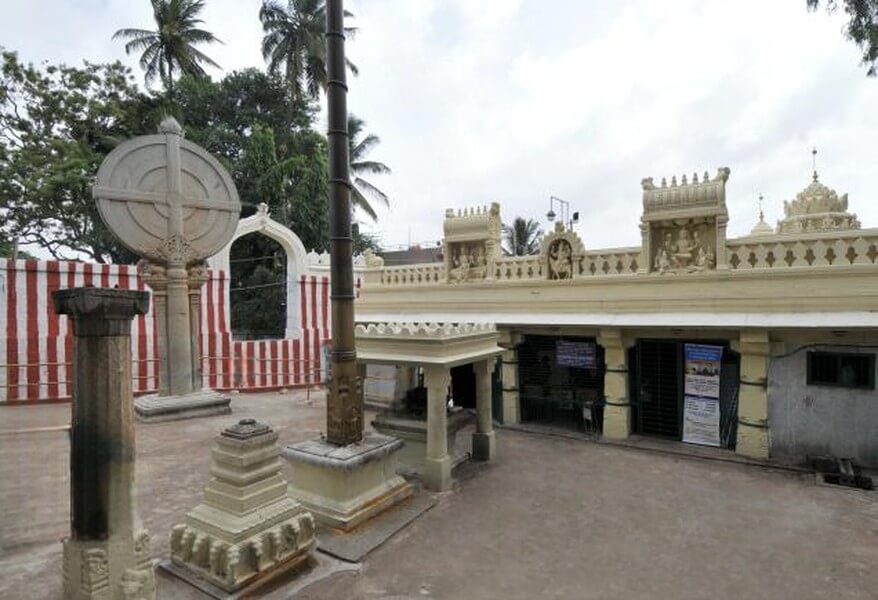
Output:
[[761, 214], [170, 125], [814, 161]]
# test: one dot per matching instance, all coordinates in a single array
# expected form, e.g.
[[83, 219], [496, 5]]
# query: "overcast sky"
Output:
[[516, 100]]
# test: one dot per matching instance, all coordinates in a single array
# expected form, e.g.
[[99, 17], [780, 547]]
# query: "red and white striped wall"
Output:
[[36, 345]]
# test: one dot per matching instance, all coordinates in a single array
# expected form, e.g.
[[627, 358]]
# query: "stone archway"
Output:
[[262, 223]]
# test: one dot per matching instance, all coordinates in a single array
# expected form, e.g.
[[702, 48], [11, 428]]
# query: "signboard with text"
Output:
[[701, 410], [575, 354]]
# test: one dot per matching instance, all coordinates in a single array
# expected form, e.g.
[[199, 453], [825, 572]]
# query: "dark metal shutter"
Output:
[[555, 394], [659, 387]]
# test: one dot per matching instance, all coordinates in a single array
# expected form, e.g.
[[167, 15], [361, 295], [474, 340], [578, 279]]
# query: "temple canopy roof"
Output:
[[817, 208], [426, 343]]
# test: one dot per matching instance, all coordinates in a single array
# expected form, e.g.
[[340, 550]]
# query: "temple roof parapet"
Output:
[[685, 195]]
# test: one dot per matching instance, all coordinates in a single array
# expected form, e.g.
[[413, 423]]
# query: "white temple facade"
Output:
[[764, 344]]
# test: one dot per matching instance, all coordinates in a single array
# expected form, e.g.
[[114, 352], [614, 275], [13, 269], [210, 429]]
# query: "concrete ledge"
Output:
[[204, 403], [321, 453]]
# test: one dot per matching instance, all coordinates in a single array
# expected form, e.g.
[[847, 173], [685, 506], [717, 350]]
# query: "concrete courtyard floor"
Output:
[[550, 518]]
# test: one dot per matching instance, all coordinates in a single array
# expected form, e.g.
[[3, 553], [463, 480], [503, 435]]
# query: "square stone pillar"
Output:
[[107, 553], [437, 465], [483, 438], [755, 348], [511, 403], [617, 409]]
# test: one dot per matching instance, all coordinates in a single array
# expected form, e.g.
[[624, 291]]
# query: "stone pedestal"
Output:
[[248, 529], [177, 300], [414, 433], [107, 553], [344, 486]]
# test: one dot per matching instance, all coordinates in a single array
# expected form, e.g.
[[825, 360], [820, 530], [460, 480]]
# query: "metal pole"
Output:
[[344, 405]]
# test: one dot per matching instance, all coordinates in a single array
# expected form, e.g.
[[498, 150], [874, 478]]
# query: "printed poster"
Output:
[[701, 411]]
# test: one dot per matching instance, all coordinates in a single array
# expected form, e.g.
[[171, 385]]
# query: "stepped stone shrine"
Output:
[[171, 202], [248, 529], [107, 553]]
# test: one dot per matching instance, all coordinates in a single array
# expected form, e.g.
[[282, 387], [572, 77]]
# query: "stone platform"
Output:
[[203, 403], [413, 432], [343, 486]]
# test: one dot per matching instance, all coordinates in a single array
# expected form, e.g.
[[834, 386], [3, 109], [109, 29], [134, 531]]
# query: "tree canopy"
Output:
[[170, 49], [522, 237], [293, 43], [862, 27], [56, 126]]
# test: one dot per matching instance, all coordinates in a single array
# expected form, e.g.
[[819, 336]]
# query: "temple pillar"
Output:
[[511, 402], [437, 465], [107, 553], [483, 438], [617, 408], [755, 349]]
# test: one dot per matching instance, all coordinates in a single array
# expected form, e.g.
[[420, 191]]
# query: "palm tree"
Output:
[[170, 49], [293, 43], [358, 149], [522, 237]]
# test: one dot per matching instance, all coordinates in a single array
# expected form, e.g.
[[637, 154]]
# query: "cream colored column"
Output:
[[511, 403], [617, 410], [483, 438], [755, 348], [437, 465]]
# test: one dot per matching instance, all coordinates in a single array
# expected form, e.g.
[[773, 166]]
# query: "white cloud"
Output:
[[514, 100]]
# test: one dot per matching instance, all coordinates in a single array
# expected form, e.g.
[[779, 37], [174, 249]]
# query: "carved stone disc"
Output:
[[166, 198]]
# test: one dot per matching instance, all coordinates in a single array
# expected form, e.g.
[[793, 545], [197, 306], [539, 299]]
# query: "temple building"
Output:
[[764, 345]]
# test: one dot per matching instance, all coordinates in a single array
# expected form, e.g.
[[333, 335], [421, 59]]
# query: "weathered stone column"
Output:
[[617, 409], [107, 553], [154, 274], [483, 438], [755, 348], [437, 465], [511, 405], [197, 279]]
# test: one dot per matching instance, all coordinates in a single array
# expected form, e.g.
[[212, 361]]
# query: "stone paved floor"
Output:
[[551, 518]]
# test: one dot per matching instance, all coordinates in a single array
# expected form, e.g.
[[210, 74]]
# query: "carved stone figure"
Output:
[[560, 260]]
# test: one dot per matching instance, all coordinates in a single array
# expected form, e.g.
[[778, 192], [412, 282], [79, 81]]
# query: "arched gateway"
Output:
[[261, 222]]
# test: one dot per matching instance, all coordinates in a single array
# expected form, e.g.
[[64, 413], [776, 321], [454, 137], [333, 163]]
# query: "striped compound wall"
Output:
[[36, 345]]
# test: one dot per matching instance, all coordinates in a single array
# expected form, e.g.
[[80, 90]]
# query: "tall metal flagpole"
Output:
[[344, 407]]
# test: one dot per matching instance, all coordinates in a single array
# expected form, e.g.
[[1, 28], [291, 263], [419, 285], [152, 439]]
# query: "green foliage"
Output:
[[294, 44], [170, 49], [862, 27], [257, 288], [56, 126], [366, 241], [523, 237], [358, 149]]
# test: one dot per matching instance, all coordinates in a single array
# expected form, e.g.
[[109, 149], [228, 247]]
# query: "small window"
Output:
[[841, 370]]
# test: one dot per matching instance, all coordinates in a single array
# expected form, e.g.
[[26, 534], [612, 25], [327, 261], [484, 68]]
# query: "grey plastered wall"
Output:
[[811, 420]]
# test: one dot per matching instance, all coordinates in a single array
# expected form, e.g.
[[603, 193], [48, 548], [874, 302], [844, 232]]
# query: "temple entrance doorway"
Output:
[[561, 382], [657, 381]]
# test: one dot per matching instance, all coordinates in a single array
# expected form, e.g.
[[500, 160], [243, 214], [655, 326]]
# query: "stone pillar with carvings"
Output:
[[107, 553], [483, 438], [755, 348], [437, 465], [617, 408]]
